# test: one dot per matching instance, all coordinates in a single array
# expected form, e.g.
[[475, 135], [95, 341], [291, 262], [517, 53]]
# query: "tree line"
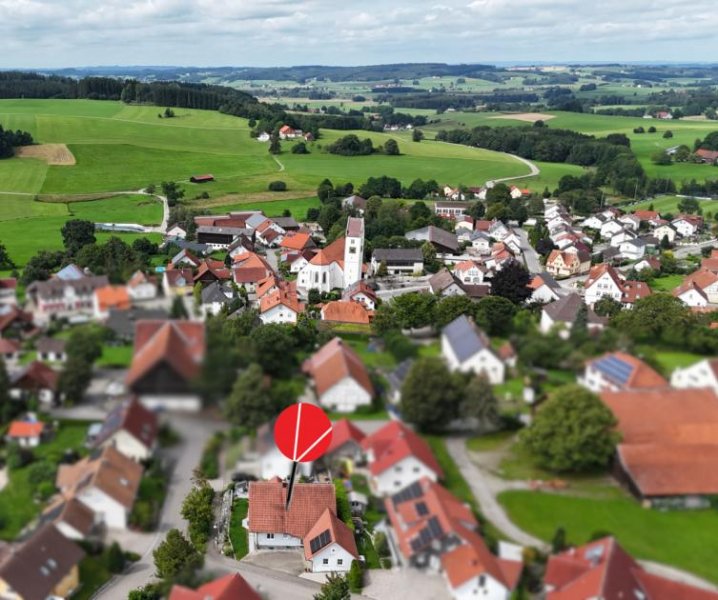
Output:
[[10, 139]]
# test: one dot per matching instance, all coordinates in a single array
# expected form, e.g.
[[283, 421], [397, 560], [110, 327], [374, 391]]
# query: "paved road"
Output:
[[194, 433], [683, 252], [531, 257], [534, 171], [490, 507]]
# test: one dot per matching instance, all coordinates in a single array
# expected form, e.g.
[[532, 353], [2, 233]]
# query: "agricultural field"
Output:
[[121, 149]]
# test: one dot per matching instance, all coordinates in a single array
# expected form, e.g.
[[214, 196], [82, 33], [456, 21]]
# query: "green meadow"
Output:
[[120, 149]]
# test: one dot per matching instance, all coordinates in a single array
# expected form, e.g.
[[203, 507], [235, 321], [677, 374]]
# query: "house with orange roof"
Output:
[[289, 133], [705, 280], [340, 380], [346, 311], [280, 306], [248, 269], [27, 433], [10, 350], [110, 297], [8, 291], [338, 265], [298, 241], [690, 293], [397, 458], [687, 225], [603, 280], [669, 444], [310, 524], [544, 289], [434, 530], [568, 263], [329, 546], [603, 569], [211, 271], [618, 371], [167, 357], [633, 291], [106, 482], [228, 587], [470, 272]]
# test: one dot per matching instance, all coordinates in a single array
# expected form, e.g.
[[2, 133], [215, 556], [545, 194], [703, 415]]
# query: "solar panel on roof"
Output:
[[415, 545], [318, 542], [408, 493], [421, 509], [615, 369], [435, 527]]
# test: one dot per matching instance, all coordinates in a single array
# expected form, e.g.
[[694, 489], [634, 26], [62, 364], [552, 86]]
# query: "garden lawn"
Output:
[[115, 356], [490, 441], [666, 283], [237, 533], [684, 539], [17, 506]]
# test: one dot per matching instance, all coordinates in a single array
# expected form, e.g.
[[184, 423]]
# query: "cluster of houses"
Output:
[[454, 194], [94, 499]]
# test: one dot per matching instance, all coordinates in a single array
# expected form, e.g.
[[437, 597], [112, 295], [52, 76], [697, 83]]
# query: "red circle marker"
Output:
[[303, 432]]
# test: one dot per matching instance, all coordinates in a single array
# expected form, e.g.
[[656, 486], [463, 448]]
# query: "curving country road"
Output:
[[534, 170]]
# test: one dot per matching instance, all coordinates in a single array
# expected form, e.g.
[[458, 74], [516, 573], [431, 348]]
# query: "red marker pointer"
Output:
[[302, 433]]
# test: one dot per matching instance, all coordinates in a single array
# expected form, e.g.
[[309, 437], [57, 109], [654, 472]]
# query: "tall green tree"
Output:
[[176, 557], [5, 261], [273, 347], [6, 405], [250, 404], [77, 233], [572, 432], [391, 147], [430, 395], [197, 510], [480, 403]]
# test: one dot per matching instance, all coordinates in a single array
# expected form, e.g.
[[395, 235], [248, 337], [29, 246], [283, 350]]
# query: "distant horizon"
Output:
[[500, 64]]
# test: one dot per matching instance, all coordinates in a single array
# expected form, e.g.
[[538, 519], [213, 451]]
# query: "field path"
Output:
[[535, 171], [279, 163]]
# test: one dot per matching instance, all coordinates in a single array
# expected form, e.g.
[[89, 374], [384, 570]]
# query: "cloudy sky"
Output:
[[62, 33]]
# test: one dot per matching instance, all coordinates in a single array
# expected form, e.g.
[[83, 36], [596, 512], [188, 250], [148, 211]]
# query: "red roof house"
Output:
[[229, 587], [398, 457], [603, 569]]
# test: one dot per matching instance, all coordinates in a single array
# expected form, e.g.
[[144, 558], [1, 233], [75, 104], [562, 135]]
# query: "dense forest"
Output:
[[10, 139]]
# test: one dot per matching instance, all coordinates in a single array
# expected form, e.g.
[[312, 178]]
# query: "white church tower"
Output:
[[353, 251]]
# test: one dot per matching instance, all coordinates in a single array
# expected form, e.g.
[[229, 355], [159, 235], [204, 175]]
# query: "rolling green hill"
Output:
[[121, 148]]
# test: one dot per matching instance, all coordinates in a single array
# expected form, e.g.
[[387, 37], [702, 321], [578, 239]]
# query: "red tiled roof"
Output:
[[267, 501], [25, 429], [179, 277], [278, 297], [395, 442], [296, 241], [710, 155], [8, 283], [113, 296], [229, 587], [346, 311], [133, 418], [9, 346], [634, 290], [339, 533], [599, 270], [344, 432], [35, 376], [409, 517], [603, 569], [474, 559], [12, 315], [332, 363], [334, 252], [646, 215], [179, 344]]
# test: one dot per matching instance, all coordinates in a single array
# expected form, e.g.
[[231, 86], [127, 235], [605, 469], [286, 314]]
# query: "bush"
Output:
[[381, 544], [277, 186], [115, 559], [17, 457], [209, 464], [300, 148], [355, 578], [40, 472]]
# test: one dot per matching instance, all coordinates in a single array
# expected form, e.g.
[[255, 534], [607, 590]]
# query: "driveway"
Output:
[[531, 257], [405, 583], [482, 491], [194, 433]]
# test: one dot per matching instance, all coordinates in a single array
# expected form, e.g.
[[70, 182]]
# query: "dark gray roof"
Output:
[[55, 288], [224, 230], [398, 255], [435, 235], [213, 293], [441, 280], [465, 338], [355, 202], [286, 223], [548, 279], [122, 322], [46, 344], [564, 310], [191, 246]]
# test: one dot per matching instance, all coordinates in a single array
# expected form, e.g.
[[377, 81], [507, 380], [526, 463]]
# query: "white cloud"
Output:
[[49, 33]]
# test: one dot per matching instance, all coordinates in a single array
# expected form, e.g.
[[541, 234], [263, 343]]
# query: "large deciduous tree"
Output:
[[430, 395], [250, 404], [77, 233], [176, 557], [572, 432], [511, 282]]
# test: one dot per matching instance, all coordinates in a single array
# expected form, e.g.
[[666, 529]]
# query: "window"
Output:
[[270, 536], [482, 580], [398, 469], [325, 561], [340, 561]]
